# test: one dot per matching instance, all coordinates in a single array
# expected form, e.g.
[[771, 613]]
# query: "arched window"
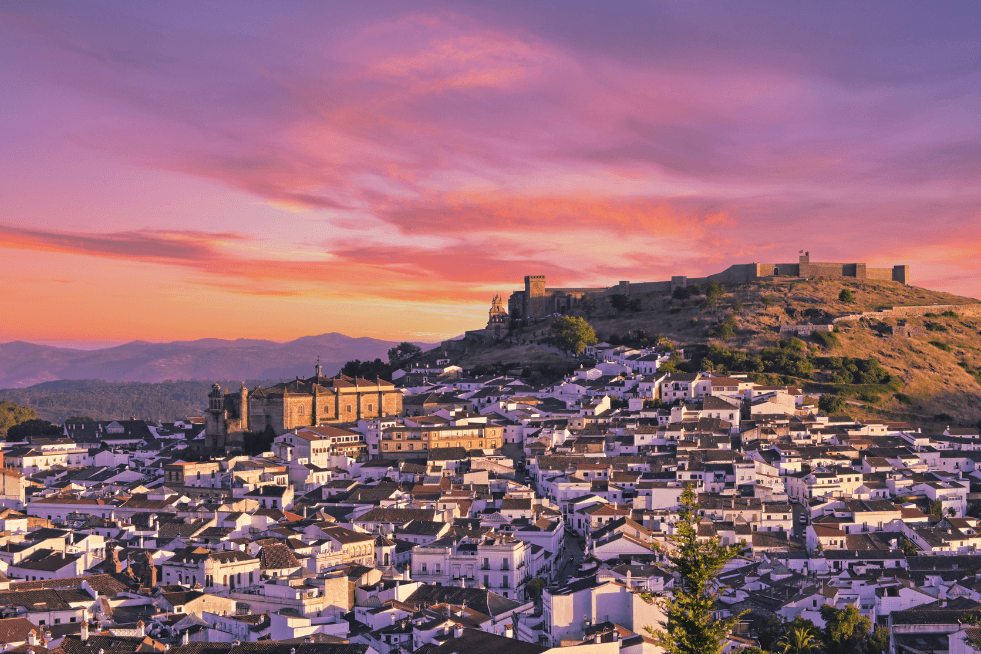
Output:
[[302, 410]]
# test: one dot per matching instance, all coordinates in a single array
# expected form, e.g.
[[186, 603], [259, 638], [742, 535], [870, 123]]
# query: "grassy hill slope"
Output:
[[935, 374]]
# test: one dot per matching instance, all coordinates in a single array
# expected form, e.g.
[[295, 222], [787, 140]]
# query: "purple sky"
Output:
[[181, 170]]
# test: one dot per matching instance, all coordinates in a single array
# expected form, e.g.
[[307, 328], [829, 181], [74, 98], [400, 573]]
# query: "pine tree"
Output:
[[689, 627]]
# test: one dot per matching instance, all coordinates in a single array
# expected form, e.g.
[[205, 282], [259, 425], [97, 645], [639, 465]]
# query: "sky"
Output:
[[180, 170]]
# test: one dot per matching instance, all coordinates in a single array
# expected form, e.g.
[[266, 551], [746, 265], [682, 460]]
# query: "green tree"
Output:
[[619, 302], [846, 296], [636, 305], [36, 427], [535, 587], [680, 293], [588, 306], [725, 329], [937, 509], [831, 404], [12, 414], [689, 627], [713, 291], [257, 442], [366, 369], [909, 547], [571, 334], [769, 629], [798, 640], [846, 631], [879, 642], [403, 352], [767, 301]]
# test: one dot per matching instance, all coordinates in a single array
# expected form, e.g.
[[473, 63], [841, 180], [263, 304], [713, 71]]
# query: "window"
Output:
[[371, 407], [301, 410], [348, 408], [423, 568]]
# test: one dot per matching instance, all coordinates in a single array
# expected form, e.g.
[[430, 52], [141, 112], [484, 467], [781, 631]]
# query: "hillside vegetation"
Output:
[[12, 414], [930, 379]]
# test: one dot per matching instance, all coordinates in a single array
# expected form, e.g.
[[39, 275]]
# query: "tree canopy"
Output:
[[35, 427], [367, 369], [619, 302], [572, 334], [403, 352], [12, 414], [689, 627]]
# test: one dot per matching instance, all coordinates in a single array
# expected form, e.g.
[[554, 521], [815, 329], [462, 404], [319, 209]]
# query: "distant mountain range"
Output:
[[25, 364]]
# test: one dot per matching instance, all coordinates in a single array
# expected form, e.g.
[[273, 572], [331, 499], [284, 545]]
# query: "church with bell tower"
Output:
[[497, 322], [310, 402]]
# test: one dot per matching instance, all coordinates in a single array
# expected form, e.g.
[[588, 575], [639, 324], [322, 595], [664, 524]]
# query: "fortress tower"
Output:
[[534, 296]]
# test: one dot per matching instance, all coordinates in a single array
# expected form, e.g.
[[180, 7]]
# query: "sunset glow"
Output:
[[271, 170]]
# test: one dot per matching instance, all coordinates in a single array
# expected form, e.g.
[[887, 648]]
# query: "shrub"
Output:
[[725, 329], [903, 398], [950, 314], [846, 296], [826, 339], [870, 397], [941, 346], [831, 404], [935, 327]]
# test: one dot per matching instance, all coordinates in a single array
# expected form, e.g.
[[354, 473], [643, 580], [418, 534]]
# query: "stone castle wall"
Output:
[[538, 301]]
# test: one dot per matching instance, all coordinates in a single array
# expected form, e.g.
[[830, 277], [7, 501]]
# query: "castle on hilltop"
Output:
[[536, 300]]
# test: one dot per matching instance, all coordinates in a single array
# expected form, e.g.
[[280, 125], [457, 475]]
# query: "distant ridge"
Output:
[[24, 364]]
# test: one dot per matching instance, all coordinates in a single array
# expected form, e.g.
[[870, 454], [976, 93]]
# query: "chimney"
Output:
[[597, 639], [140, 629], [508, 631], [32, 638], [185, 637], [85, 631], [458, 631]]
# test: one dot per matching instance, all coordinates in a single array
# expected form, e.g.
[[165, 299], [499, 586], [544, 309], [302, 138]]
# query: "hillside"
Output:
[[935, 374], [26, 364]]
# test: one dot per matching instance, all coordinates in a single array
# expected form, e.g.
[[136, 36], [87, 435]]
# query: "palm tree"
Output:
[[798, 640]]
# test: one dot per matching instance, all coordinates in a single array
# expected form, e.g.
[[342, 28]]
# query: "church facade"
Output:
[[310, 402]]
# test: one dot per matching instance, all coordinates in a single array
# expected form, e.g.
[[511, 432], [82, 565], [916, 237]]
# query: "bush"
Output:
[[941, 346], [950, 314], [826, 339], [831, 404], [903, 398], [935, 327], [846, 296], [725, 329], [870, 397], [767, 301]]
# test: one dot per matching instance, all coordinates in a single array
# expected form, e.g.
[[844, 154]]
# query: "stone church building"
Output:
[[308, 402]]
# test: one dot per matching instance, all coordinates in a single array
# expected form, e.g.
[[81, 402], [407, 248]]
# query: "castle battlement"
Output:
[[538, 301]]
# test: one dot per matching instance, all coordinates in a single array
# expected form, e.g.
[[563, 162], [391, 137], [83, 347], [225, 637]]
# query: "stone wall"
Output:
[[900, 312], [805, 330]]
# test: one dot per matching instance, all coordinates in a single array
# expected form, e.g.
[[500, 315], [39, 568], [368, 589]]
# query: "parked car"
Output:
[[803, 519]]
